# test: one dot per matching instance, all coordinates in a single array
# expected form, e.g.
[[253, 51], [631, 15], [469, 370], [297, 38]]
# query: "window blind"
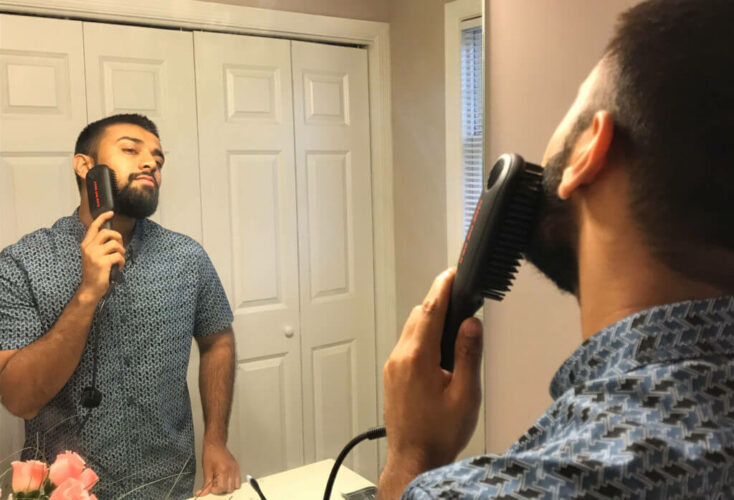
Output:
[[471, 121]]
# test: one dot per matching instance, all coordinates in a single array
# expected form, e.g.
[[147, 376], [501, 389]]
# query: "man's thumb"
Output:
[[468, 355]]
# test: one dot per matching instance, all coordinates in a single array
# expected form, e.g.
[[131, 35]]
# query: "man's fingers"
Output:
[[439, 283], [207, 488], [219, 485], [429, 324], [97, 223], [107, 235], [117, 260], [113, 246], [468, 360]]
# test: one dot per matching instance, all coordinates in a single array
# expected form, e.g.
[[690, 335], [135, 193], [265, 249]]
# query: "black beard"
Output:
[[553, 248], [137, 203]]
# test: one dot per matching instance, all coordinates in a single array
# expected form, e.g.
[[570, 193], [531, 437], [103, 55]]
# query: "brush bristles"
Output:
[[513, 236]]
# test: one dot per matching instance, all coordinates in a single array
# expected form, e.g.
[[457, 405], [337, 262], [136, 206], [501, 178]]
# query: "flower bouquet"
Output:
[[68, 478]]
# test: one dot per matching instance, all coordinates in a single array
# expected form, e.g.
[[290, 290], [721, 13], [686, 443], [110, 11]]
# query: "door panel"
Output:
[[249, 212], [151, 71], [335, 247], [42, 109]]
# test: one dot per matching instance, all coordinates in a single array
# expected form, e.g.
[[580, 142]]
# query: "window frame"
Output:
[[455, 15]]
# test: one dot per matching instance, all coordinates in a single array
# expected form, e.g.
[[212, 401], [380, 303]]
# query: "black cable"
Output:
[[255, 486], [374, 433], [91, 396]]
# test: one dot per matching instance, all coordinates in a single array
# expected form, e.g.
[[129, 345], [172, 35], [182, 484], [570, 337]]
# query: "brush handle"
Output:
[[460, 308], [115, 271], [100, 194]]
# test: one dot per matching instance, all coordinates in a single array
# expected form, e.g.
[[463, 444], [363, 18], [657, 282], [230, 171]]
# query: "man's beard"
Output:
[[553, 248], [136, 202]]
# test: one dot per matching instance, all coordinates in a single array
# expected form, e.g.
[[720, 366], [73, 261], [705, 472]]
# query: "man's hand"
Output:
[[221, 470], [430, 414], [101, 249]]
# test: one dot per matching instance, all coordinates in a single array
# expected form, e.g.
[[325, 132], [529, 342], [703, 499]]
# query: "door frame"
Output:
[[374, 36]]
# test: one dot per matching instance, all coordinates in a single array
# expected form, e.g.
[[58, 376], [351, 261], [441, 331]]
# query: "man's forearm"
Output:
[[37, 372], [216, 383]]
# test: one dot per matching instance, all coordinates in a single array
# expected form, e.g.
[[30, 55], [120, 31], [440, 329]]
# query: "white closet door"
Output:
[[42, 109], [335, 246], [249, 212], [151, 71]]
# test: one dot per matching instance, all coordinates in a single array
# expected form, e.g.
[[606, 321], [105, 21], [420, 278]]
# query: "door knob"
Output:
[[288, 331]]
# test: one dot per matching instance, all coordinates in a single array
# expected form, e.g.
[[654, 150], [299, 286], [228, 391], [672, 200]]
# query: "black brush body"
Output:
[[500, 233], [101, 191]]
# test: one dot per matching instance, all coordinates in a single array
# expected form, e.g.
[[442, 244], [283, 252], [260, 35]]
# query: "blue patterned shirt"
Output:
[[169, 292], [643, 409]]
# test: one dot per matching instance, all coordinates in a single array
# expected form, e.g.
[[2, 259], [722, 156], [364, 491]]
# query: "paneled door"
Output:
[[42, 109], [249, 213], [331, 105]]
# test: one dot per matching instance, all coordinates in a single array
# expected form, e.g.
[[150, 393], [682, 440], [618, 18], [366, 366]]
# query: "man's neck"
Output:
[[620, 277]]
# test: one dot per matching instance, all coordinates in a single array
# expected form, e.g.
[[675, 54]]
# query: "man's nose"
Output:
[[149, 162]]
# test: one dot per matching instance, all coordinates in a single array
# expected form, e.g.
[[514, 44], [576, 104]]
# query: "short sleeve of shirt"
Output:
[[20, 323], [213, 313]]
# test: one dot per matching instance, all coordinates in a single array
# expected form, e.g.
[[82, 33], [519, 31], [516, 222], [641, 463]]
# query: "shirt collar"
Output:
[[683, 330]]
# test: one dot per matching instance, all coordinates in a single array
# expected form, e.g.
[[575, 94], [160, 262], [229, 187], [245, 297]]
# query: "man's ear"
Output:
[[82, 164], [590, 155]]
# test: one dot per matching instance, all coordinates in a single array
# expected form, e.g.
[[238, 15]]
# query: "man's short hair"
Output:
[[669, 69], [88, 140]]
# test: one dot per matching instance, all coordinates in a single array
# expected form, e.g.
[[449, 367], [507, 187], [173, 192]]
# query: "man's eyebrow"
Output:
[[128, 138], [156, 152]]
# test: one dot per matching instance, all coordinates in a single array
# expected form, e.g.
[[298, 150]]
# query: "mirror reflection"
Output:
[[213, 313], [216, 217]]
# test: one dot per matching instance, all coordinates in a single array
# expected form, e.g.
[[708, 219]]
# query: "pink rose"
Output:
[[67, 465], [28, 476], [88, 478], [70, 489]]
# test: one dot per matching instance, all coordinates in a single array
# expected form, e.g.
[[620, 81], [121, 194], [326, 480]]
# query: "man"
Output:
[[638, 224], [52, 283]]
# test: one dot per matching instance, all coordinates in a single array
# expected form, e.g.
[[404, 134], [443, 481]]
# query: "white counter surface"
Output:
[[303, 483]]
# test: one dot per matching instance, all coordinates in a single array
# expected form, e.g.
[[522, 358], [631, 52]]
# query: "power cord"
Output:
[[91, 396], [374, 433]]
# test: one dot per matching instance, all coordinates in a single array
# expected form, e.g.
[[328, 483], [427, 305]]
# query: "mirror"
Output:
[[276, 126]]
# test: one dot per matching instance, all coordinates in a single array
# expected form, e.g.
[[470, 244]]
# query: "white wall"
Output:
[[537, 54], [419, 147]]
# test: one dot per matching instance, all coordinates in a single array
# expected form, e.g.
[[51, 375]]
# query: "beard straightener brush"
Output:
[[101, 190], [100, 194], [500, 232]]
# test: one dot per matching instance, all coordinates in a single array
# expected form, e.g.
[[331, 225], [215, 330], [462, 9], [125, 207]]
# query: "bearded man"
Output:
[[56, 303], [637, 223]]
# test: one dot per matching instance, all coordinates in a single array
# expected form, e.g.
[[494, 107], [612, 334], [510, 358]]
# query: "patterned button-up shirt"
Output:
[[643, 409], [169, 292]]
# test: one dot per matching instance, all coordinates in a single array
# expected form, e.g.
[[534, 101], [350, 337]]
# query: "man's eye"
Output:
[[160, 165], [130, 150]]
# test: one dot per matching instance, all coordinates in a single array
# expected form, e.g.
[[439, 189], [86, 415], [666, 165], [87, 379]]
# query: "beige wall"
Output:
[[419, 149], [538, 54], [368, 10]]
